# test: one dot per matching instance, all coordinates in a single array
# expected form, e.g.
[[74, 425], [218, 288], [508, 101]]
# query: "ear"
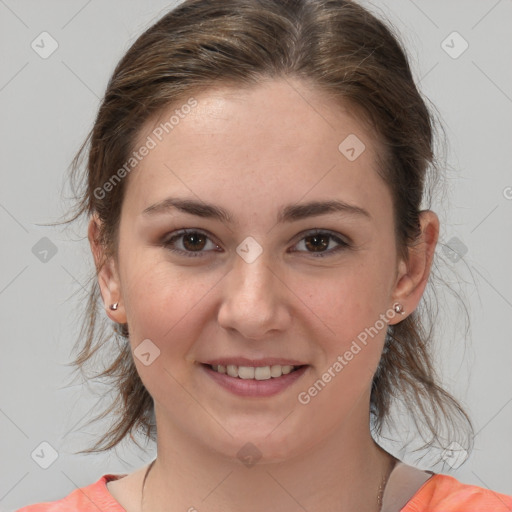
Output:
[[107, 273], [413, 275]]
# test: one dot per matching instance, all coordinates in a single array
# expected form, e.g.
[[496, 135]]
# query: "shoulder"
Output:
[[444, 493], [91, 498]]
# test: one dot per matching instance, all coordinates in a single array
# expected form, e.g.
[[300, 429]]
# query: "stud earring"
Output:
[[113, 307], [399, 308]]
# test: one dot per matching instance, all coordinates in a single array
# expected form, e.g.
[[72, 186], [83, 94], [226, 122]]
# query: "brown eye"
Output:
[[322, 243], [194, 241], [189, 243], [317, 243]]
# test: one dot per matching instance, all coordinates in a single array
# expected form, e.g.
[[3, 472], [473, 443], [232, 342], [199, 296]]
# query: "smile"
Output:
[[254, 372], [254, 381]]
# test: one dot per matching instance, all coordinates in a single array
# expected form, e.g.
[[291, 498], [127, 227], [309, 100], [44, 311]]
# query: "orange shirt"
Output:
[[440, 493]]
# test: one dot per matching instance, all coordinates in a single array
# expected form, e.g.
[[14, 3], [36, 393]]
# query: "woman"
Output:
[[255, 181]]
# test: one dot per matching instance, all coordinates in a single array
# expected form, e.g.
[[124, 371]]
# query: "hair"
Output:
[[340, 50]]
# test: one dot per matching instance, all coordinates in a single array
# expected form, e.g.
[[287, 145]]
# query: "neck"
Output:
[[345, 472]]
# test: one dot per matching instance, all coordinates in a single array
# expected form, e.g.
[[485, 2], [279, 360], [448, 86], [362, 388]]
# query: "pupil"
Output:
[[194, 238], [319, 241]]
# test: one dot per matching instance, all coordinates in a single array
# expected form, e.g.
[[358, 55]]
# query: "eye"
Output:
[[191, 243], [194, 243], [319, 243]]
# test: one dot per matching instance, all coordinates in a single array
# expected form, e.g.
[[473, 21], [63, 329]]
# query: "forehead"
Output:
[[278, 138]]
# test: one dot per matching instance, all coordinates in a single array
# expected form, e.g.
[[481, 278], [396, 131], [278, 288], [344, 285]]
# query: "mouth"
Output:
[[274, 371], [249, 378]]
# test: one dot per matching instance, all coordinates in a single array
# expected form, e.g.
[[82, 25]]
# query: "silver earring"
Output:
[[113, 307], [399, 308]]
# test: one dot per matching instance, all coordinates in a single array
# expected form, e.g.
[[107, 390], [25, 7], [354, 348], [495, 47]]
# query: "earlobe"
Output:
[[413, 275], [107, 275]]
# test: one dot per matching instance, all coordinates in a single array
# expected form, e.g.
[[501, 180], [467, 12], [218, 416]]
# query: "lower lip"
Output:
[[253, 387]]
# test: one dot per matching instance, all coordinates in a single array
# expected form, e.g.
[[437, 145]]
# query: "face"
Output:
[[266, 275]]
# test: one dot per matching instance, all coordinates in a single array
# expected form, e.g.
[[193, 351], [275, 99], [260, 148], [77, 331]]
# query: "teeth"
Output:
[[254, 372], [286, 369], [262, 373], [276, 371], [246, 372], [232, 370]]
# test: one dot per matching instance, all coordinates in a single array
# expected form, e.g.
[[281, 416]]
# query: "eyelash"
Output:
[[169, 243]]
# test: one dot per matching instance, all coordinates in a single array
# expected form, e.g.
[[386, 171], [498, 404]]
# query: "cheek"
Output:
[[351, 339], [347, 301], [166, 307], [159, 296]]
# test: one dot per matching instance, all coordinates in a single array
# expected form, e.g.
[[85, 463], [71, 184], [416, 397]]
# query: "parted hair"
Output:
[[340, 50]]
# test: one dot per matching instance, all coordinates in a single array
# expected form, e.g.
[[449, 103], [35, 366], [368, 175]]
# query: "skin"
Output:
[[252, 152]]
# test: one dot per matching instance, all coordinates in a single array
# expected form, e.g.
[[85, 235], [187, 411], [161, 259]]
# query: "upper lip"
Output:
[[243, 361]]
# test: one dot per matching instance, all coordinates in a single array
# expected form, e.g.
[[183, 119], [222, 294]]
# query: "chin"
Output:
[[258, 446]]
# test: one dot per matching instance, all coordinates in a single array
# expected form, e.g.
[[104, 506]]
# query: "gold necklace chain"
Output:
[[380, 493]]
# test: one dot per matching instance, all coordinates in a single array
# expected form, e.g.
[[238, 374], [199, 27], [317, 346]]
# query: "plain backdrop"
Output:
[[47, 108]]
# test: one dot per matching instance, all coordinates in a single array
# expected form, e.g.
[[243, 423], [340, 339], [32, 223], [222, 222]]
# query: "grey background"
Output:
[[48, 106]]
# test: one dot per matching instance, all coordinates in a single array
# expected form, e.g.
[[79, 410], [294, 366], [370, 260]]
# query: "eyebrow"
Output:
[[290, 213]]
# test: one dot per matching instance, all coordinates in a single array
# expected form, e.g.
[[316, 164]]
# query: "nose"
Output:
[[254, 300]]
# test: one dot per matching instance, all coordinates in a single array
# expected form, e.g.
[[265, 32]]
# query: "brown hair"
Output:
[[338, 48]]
